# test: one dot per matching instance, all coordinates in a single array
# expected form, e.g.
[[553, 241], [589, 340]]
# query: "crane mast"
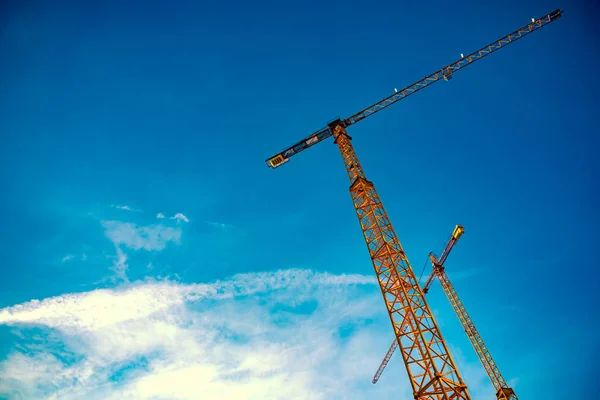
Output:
[[456, 234], [503, 392], [458, 231], [386, 360], [431, 370]]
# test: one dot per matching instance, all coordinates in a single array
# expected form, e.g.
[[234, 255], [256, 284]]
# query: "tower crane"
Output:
[[458, 231], [431, 369], [503, 392]]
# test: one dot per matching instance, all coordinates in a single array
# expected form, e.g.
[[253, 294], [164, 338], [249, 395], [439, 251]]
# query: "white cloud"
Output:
[[237, 348], [125, 208], [254, 336], [142, 299], [69, 257], [180, 217], [160, 215], [220, 225], [120, 265], [152, 237]]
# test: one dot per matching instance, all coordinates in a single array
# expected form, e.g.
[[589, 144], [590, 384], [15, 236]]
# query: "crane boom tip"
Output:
[[458, 231], [555, 14]]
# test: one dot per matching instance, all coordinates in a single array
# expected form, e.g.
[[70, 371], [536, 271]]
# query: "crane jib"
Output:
[[311, 140], [447, 71], [443, 73]]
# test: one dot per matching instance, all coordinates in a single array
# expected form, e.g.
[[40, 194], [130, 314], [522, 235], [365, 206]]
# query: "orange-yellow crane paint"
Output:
[[431, 370], [456, 234], [503, 392]]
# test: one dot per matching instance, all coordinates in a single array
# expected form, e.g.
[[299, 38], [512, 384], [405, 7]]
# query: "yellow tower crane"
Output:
[[453, 239], [503, 392], [430, 367]]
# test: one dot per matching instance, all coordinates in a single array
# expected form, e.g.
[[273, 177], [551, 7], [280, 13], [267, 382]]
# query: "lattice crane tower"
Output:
[[503, 391], [431, 369]]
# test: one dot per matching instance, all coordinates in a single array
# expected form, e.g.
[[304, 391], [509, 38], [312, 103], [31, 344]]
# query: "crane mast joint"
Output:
[[505, 393]]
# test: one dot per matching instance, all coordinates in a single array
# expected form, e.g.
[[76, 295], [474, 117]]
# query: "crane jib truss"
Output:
[[503, 391], [445, 72]]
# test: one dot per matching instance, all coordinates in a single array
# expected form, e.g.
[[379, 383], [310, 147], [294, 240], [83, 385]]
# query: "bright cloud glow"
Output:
[[291, 334], [160, 215], [152, 237], [253, 336]]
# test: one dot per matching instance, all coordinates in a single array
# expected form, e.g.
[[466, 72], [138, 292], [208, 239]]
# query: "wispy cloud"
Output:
[[158, 339], [143, 298], [120, 265], [125, 208], [180, 217], [70, 257], [220, 225], [151, 237], [253, 336]]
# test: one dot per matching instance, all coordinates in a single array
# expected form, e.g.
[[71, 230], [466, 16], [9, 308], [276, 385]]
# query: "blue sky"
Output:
[[112, 115]]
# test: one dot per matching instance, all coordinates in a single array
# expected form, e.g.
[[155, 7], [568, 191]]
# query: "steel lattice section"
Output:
[[445, 73], [433, 374], [503, 392], [431, 369], [425, 289]]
